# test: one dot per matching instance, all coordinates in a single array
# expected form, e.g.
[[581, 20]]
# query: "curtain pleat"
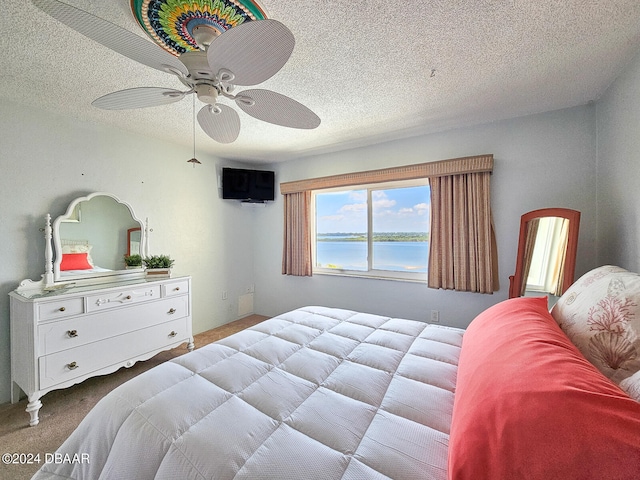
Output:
[[461, 248], [296, 256]]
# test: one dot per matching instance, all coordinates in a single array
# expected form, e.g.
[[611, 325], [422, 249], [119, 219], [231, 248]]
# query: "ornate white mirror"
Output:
[[91, 239], [546, 252], [87, 244]]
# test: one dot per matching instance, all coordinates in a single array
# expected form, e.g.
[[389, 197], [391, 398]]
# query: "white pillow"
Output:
[[631, 385]]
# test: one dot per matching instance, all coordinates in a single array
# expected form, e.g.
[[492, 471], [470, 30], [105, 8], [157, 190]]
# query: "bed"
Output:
[[335, 394], [76, 258]]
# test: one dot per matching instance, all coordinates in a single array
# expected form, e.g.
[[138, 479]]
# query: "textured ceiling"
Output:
[[373, 70]]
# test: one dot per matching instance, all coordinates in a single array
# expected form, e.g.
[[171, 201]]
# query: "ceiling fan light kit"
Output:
[[206, 93], [211, 46]]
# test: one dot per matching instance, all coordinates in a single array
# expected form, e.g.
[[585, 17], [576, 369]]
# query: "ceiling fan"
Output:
[[245, 55]]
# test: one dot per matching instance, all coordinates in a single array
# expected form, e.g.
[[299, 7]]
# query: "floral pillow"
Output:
[[600, 313]]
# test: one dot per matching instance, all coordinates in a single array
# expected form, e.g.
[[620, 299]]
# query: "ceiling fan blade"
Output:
[[140, 97], [220, 122], [275, 108], [112, 36], [253, 51]]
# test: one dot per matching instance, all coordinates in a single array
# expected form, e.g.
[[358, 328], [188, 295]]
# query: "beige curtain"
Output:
[[529, 244], [464, 258], [296, 255], [462, 248]]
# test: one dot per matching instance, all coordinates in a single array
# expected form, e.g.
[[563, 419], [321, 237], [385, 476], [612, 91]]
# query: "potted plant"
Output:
[[158, 265], [133, 261]]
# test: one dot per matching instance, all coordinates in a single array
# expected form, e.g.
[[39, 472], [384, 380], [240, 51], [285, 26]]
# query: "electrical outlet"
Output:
[[435, 316], [225, 295]]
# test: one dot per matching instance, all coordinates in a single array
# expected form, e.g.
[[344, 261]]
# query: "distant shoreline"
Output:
[[377, 237]]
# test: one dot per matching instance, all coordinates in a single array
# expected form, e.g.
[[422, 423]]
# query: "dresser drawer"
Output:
[[56, 336], [83, 360], [109, 300], [175, 288], [60, 308]]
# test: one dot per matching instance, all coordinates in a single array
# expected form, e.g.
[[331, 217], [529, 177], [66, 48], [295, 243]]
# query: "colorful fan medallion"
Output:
[[170, 23]]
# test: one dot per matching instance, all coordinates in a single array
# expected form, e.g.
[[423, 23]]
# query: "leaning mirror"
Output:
[[91, 239], [545, 264]]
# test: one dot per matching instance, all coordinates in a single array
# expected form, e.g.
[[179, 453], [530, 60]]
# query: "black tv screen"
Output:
[[248, 185]]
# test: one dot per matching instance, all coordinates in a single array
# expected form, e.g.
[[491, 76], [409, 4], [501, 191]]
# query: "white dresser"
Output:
[[63, 336]]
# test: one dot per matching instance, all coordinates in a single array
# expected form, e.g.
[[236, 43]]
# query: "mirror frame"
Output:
[[129, 232], [516, 280], [94, 276]]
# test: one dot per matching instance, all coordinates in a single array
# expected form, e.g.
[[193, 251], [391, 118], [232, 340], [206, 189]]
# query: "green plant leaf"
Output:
[[158, 261]]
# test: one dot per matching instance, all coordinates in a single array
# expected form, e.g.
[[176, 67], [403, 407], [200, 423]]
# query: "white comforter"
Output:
[[313, 393]]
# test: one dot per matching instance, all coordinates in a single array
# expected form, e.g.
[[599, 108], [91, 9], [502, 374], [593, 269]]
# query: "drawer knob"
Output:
[[171, 311], [173, 333], [177, 289], [72, 365], [72, 333], [128, 297], [61, 309]]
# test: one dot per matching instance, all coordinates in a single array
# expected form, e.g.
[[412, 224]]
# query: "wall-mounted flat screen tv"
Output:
[[248, 185]]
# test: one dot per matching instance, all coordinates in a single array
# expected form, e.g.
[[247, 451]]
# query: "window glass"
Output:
[[400, 229], [341, 230], [381, 230]]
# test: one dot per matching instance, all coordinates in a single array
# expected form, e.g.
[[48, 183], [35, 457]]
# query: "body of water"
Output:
[[392, 256]]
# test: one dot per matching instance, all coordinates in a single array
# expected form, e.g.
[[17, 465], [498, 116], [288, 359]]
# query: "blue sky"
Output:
[[394, 210]]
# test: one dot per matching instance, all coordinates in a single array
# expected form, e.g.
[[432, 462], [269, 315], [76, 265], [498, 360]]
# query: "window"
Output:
[[461, 239], [378, 230]]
